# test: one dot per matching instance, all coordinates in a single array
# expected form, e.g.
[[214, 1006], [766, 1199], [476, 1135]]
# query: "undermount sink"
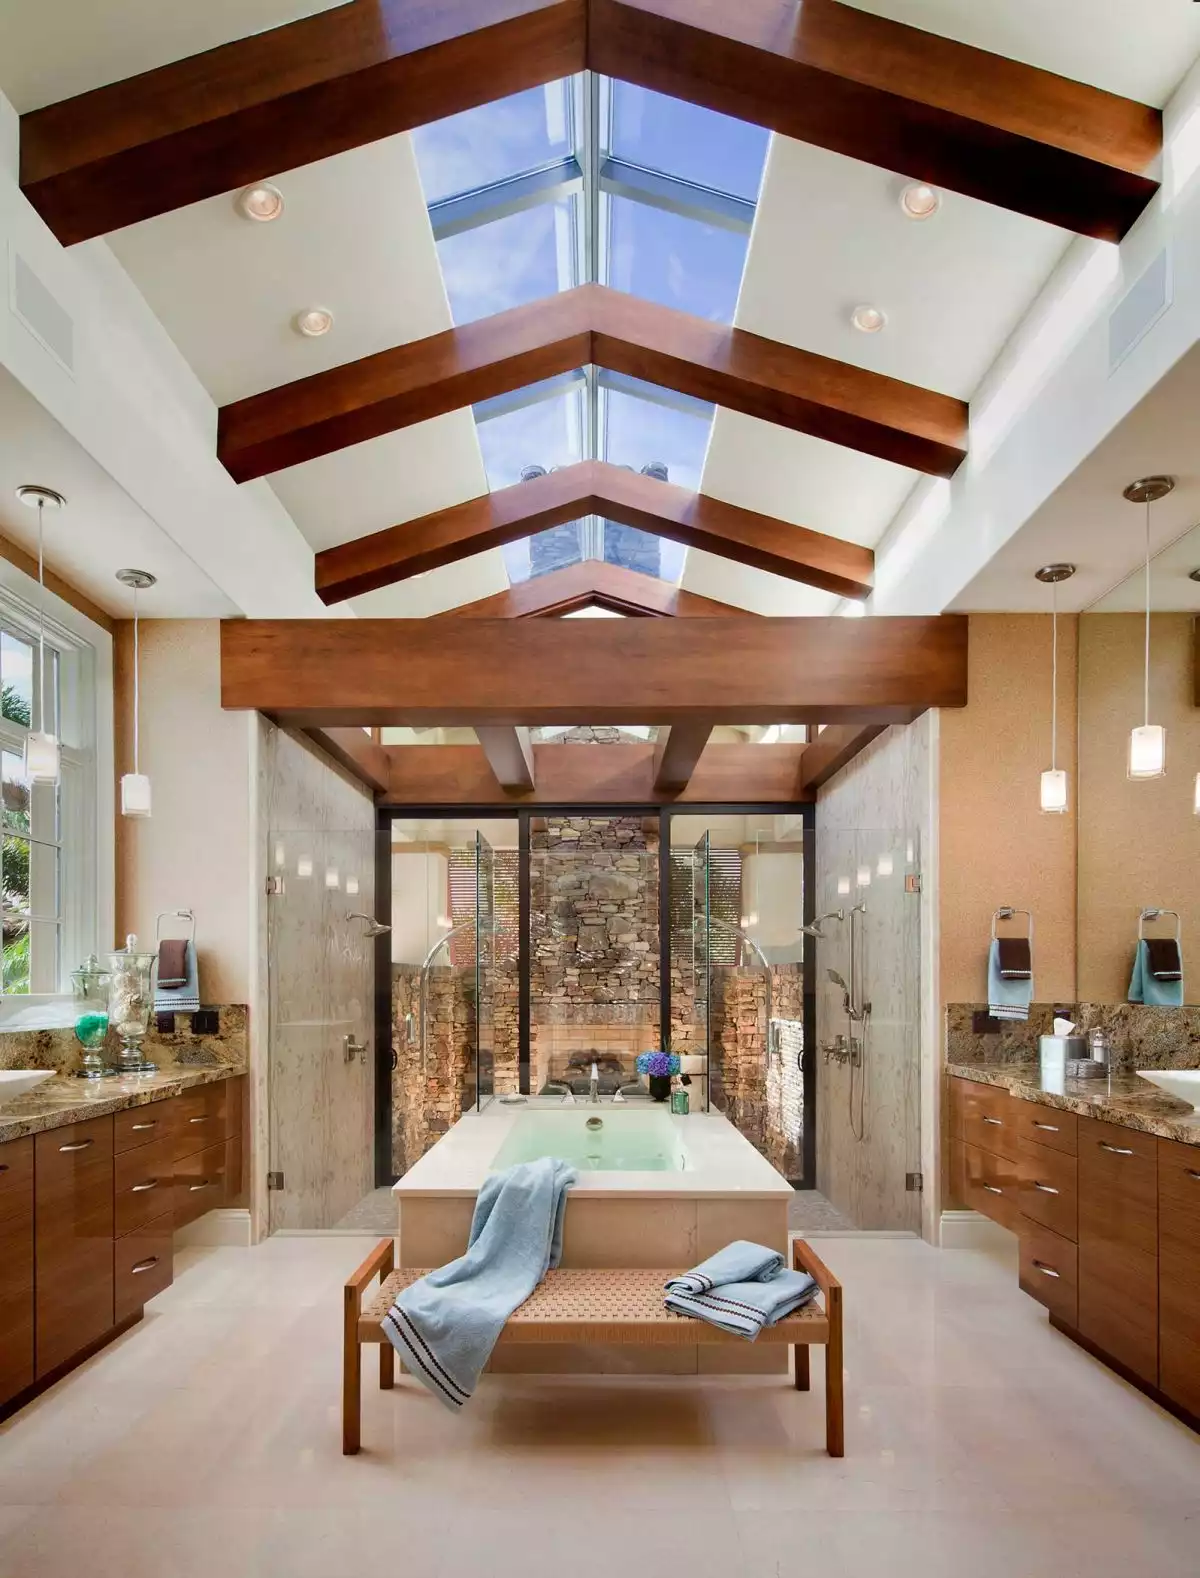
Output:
[[16, 1081], [1183, 1083]]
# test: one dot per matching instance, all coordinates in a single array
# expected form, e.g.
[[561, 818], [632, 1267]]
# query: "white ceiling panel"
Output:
[[482, 575], [53, 49], [354, 237], [101, 530], [754, 590], [1139, 50]]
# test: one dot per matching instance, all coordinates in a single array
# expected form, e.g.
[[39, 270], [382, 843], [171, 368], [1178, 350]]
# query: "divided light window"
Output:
[[32, 825]]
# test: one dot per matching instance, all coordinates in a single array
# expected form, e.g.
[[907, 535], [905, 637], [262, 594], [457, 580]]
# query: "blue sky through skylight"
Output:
[[509, 262], [696, 144], [493, 142]]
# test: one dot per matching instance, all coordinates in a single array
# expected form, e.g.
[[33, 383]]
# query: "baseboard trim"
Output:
[[852, 1232], [226, 1229], [970, 1230]]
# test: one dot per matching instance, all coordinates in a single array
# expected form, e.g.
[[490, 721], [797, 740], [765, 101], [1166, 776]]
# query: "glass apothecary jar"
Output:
[[89, 991], [130, 996]]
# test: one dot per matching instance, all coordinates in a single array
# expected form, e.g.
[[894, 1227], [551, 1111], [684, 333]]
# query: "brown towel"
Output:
[[1162, 957], [1016, 963], [172, 961]]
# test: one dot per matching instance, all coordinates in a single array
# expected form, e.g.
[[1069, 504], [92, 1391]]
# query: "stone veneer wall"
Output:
[[760, 1088]]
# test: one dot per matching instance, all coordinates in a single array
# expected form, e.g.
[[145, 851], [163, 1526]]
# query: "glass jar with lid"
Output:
[[89, 991], [130, 996]]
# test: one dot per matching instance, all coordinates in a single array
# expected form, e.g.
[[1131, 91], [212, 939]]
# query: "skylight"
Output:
[[592, 180]]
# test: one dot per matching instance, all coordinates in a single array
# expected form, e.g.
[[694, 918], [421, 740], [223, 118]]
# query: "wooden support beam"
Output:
[[895, 96], [360, 755], [326, 672], [509, 754], [592, 324], [617, 775], [595, 584], [677, 753], [251, 109], [593, 487], [836, 745]]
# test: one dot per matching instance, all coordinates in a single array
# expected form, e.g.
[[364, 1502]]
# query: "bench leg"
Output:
[[835, 1422], [800, 1350], [387, 1366], [351, 1378]]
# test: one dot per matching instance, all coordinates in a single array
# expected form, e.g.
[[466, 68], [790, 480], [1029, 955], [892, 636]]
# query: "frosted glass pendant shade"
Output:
[[135, 795], [1148, 751], [1196, 796], [41, 758], [1054, 790]]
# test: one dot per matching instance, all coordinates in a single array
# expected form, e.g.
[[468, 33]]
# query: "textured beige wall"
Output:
[[997, 847], [1139, 843], [194, 852]]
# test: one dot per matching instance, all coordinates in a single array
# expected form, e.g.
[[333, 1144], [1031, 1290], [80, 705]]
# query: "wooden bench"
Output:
[[595, 1307]]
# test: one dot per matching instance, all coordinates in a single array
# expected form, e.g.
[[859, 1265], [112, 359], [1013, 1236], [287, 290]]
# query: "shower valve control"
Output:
[[354, 1049]]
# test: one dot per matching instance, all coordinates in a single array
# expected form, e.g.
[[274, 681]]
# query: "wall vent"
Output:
[[45, 318], [1142, 305]]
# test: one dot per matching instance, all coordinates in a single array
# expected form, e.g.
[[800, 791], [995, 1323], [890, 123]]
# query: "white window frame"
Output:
[[87, 833]]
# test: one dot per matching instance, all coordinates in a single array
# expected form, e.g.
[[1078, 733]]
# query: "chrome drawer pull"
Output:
[[1192, 1173], [79, 1145], [4, 1168], [144, 1265], [1045, 1188], [136, 1128], [1050, 1128], [1047, 1271], [199, 1120], [141, 1188], [999, 1122], [991, 1189], [1117, 1150], [204, 1185]]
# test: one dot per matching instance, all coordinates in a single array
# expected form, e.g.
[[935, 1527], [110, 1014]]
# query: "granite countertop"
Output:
[[64, 1100], [1122, 1098]]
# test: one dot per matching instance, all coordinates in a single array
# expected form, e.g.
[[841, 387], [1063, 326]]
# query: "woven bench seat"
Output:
[[592, 1306]]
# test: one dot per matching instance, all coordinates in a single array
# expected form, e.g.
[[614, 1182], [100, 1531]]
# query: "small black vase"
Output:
[[660, 1087]]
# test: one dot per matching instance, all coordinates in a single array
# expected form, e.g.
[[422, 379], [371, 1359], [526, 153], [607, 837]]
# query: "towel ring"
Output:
[[1153, 914], [1006, 913], [187, 915]]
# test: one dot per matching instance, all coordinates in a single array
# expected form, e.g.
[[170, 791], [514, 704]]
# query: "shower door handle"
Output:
[[354, 1049]]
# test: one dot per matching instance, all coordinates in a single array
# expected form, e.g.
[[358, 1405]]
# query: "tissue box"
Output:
[[1054, 1052]]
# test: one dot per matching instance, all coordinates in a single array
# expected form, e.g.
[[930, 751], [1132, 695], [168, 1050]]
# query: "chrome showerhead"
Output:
[[814, 928], [837, 980], [373, 927]]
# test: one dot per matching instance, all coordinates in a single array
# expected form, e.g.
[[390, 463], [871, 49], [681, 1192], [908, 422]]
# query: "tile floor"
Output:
[[980, 1442]]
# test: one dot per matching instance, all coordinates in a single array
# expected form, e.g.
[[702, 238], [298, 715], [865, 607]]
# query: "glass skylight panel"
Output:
[[675, 261], [509, 262], [687, 141], [546, 433], [494, 141]]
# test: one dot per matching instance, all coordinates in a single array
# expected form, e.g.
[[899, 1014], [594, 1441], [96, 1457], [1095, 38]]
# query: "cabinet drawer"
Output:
[[144, 1184], [1049, 1271], [986, 1183], [143, 1264], [16, 1177], [1179, 1272], [200, 1183], [144, 1125], [16, 1294], [1047, 1188], [73, 1239], [1118, 1187], [984, 1116], [201, 1119], [1057, 1131]]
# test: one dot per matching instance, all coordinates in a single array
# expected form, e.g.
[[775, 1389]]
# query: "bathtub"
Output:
[[597, 1141]]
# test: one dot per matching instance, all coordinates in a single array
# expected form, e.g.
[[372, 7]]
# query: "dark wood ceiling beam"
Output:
[[592, 324], [358, 753], [592, 487], [510, 756], [594, 584], [262, 105], [832, 748], [677, 753], [895, 96], [320, 673]]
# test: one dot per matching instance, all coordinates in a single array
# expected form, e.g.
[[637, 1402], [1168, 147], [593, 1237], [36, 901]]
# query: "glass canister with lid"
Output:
[[130, 996], [89, 990]]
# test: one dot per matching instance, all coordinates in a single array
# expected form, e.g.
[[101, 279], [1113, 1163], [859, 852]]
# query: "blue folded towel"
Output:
[[744, 1308], [740, 1261], [1008, 998], [445, 1325], [183, 999], [1145, 987]]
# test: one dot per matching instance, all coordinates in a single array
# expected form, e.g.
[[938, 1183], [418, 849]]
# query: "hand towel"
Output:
[[740, 1261], [744, 1308], [1162, 956], [172, 961], [183, 999], [445, 1325], [1015, 957], [1008, 997], [1144, 987]]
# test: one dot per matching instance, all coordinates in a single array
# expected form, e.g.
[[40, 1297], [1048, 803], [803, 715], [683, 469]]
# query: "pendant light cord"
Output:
[[1054, 677], [41, 622], [1146, 679], [137, 698]]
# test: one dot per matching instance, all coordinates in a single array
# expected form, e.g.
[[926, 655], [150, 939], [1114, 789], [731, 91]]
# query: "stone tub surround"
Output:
[[57, 1048], [1123, 1098], [1140, 1036], [64, 1100]]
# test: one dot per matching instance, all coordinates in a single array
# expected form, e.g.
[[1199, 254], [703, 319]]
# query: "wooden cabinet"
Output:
[[200, 1117], [985, 1117], [16, 1268], [143, 1264], [144, 1182], [1049, 1271], [73, 1214], [984, 1182], [1118, 1244], [1047, 1189], [145, 1125], [1179, 1272], [200, 1183], [1057, 1131]]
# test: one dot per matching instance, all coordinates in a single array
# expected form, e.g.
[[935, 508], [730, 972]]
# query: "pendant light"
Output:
[[42, 764], [135, 786], [1148, 741], [1054, 796]]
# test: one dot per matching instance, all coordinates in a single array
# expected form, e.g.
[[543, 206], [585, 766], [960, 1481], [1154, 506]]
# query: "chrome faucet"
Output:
[[553, 1085], [594, 1087]]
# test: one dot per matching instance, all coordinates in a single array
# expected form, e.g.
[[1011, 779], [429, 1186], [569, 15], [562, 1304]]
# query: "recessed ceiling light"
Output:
[[867, 319], [919, 201], [260, 203], [313, 323]]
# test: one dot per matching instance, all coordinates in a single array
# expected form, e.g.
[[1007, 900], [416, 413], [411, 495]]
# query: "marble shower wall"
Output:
[[874, 828], [317, 968]]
